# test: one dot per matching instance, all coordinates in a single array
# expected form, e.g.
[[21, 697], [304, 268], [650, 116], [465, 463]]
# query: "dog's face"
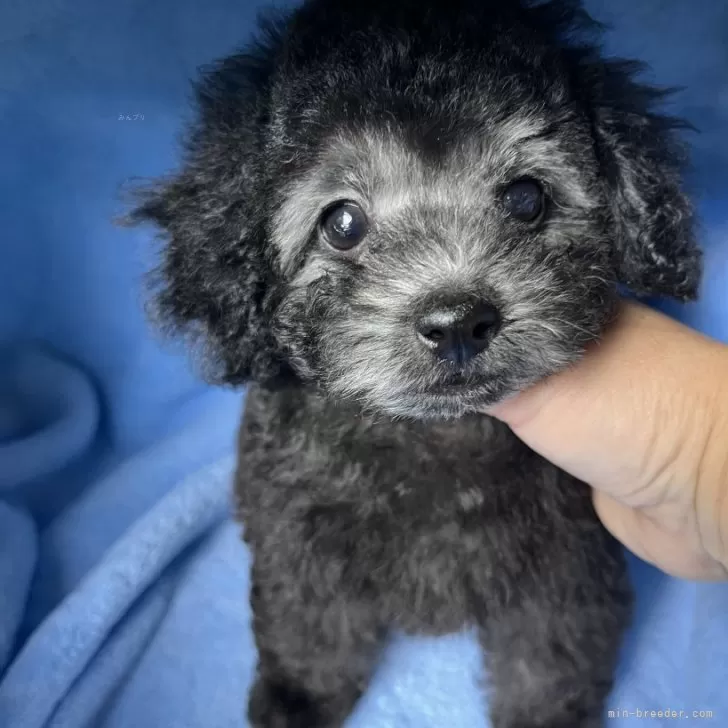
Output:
[[429, 282], [432, 282], [422, 220]]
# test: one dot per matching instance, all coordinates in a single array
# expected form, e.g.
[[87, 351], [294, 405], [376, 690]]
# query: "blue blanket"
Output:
[[123, 581]]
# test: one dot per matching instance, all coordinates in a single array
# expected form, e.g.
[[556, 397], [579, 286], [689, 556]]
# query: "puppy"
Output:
[[390, 215]]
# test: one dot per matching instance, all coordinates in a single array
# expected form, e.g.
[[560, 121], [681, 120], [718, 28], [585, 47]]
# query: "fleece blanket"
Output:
[[123, 581]]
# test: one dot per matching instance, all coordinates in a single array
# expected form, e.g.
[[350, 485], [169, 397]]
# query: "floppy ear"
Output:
[[215, 279], [643, 160]]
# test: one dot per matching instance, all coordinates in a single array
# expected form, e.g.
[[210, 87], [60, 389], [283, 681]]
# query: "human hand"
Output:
[[643, 419]]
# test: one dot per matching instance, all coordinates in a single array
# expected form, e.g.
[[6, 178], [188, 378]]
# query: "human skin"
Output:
[[643, 419]]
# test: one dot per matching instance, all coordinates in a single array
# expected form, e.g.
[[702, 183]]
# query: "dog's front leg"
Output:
[[317, 642], [552, 646]]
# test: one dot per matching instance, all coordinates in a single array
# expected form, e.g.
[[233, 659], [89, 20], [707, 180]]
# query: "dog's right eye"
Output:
[[344, 225], [524, 200]]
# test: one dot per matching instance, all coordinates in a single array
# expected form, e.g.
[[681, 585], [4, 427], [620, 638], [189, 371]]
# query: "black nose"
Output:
[[457, 333]]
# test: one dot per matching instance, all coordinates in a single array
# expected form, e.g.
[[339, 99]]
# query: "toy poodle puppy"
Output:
[[391, 214]]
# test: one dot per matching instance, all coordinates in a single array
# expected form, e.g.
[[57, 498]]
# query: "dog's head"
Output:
[[424, 211]]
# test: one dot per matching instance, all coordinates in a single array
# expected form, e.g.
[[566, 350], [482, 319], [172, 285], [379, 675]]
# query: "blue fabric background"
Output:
[[123, 584]]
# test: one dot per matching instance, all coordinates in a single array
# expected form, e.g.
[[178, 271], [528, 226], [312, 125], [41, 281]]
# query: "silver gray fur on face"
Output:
[[439, 228]]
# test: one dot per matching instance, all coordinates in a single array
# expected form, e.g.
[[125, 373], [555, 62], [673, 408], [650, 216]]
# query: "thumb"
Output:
[[631, 418]]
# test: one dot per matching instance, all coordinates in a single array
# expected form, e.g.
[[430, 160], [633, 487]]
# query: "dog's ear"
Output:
[[642, 156], [643, 160], [215, 277]]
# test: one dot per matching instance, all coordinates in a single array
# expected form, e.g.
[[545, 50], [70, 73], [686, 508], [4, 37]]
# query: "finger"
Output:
[[648, 539], [631, 408]]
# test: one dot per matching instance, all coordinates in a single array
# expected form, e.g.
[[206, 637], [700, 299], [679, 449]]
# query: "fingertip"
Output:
[[520, 408]]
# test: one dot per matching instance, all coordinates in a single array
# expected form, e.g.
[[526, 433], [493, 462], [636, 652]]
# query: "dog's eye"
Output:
[[524, 200], [344, 225]]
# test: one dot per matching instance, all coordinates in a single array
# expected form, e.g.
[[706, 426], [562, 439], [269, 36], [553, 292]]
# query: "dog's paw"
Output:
[[279, 705]]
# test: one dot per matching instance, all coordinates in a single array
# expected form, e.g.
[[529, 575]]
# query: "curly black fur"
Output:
[[373, 494]]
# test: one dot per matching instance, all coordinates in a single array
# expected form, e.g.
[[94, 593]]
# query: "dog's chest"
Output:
[[300, 449], [410, 511]]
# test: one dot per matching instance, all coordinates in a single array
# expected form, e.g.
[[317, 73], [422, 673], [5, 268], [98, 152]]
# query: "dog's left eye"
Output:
[[524, 200], [344, 225]]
